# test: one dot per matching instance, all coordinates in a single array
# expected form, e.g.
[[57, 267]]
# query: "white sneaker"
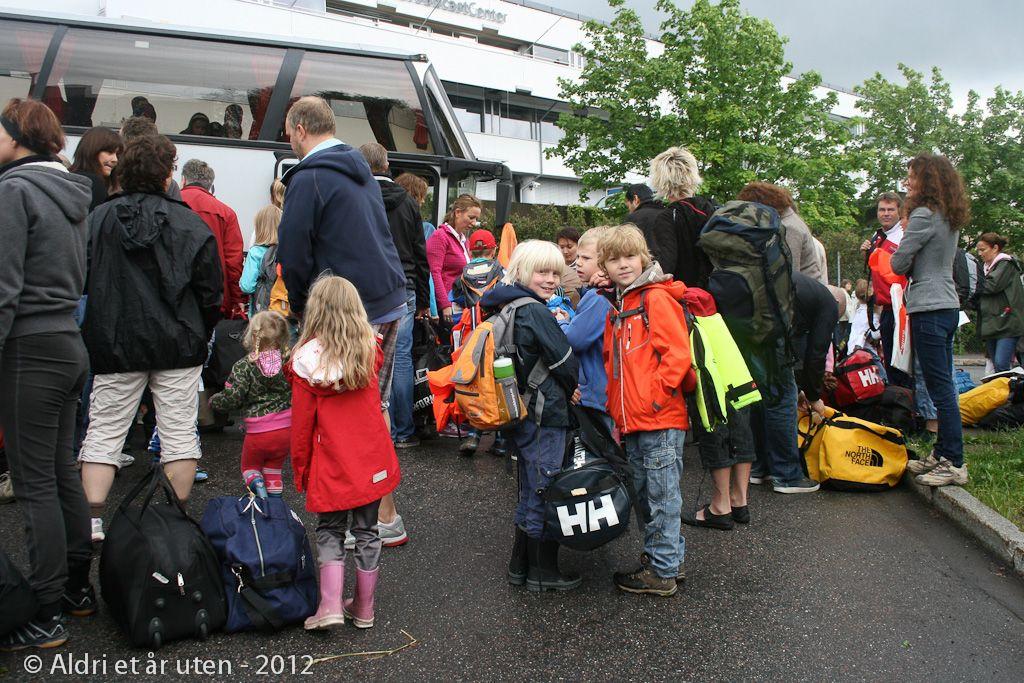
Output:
[[923, 466], [392, 534], [97, 530], [6, 488], [943, 475], [125, 460]]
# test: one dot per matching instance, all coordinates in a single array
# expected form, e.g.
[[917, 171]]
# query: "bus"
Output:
[[223, 99]]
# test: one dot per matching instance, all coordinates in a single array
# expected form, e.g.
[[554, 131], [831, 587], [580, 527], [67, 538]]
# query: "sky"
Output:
[[976, 43]]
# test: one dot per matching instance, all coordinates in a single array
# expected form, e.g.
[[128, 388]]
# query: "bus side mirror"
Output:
[[503, 202]]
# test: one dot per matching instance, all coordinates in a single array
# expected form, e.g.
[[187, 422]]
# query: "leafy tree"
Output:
[[719, 88]]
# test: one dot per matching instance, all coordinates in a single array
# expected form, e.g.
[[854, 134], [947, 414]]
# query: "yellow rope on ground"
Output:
[[373, 653]]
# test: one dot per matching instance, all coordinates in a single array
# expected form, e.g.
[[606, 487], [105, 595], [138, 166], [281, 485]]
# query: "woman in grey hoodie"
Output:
[[938, 206], [43, 362]]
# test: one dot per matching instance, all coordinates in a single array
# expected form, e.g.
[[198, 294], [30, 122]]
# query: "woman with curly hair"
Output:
[[937, 207]]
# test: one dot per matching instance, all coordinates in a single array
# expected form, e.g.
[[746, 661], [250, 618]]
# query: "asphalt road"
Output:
[[821, 586]]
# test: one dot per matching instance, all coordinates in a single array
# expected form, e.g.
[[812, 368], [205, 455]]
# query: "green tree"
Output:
[[720, 89]]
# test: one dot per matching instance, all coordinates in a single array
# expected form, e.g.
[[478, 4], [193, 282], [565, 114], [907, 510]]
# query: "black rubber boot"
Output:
[[542, 573], [518, 563]]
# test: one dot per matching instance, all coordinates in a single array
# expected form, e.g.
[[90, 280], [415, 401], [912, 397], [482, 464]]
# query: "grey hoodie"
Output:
[[42, 248]]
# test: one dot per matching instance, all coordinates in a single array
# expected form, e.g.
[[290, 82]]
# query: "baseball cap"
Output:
[[482, 239]]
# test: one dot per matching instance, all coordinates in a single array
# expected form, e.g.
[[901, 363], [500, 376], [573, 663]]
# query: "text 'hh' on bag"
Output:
[[158, 572], [850, 454], [266, 562], [587, 504]]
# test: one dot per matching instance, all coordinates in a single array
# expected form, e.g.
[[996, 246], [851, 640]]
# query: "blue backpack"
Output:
[[266, 562]]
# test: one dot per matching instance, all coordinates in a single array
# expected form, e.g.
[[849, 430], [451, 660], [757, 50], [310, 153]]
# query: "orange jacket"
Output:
[[647, 356]]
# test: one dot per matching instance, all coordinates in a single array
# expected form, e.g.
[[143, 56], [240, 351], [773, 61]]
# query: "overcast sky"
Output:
[[977, 43]]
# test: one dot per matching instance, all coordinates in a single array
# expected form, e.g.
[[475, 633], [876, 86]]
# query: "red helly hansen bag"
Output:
[[857, 379]]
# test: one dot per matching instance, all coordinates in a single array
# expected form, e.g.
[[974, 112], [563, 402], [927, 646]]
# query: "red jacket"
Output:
[[647, 357], [223, 224], [342, 454]]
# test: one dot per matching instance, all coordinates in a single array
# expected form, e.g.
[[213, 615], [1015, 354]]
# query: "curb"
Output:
[[998, 534]]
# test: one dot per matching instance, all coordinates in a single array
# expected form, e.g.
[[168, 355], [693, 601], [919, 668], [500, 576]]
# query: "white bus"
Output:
[[223, 99]]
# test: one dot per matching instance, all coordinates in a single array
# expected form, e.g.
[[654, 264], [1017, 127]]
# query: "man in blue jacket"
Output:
[[334, 221]]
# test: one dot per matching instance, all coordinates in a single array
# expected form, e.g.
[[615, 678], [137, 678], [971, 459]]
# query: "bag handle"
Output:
[[260, 612], [618, 462], [156, 479]]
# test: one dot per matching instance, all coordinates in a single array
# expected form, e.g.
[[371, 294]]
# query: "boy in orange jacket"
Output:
[[647, 358]]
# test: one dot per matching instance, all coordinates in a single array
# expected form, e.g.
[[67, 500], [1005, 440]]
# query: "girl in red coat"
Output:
[[342, 454]]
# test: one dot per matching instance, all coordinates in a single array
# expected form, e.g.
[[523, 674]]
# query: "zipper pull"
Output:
[[181, 584]]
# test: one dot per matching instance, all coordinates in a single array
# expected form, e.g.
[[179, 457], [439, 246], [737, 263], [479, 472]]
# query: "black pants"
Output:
[[887, 328], [41, 378]]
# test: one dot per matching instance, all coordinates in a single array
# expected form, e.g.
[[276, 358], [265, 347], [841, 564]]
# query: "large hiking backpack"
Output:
[[271, 293], [266, 562], [587, 504], [752, 280], [969, 279], [480, 397], [159, 574]]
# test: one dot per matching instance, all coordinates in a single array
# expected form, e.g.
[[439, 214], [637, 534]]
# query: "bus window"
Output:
[[21, 55], [374, 100], [189, 87]]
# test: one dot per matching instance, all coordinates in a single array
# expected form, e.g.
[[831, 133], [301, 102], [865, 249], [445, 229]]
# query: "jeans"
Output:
[[657, 460], [931, 333], [541, 452], [922, 401], [1002, 352], [41, 378], [778, 418], [402, 426], [887, 328]]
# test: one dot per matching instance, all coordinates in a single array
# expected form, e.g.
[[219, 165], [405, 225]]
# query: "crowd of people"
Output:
[[114, 278]]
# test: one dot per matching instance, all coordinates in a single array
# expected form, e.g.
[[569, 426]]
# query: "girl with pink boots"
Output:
[[342, 454]]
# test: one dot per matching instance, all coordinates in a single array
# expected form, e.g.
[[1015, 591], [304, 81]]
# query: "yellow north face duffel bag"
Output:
[[851, 454]]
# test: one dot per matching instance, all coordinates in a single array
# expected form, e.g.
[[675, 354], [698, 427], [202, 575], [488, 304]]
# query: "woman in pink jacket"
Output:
[[447, 252]]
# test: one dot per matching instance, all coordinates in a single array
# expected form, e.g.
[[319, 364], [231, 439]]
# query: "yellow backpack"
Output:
[[851, 454], [488, 402]]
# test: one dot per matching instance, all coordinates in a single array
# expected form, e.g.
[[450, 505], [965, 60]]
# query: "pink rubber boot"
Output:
[[332, 582], [360, 608]]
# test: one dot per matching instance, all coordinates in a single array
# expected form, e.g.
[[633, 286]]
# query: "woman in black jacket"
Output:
[[43, 362], [154, 291]]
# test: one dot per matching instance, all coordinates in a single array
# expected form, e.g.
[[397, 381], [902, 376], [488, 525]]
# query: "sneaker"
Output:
[[81, 603], [201, 475], [469, 445], [802, 485], [408, 442], [923, 466], [644, 580], [944, 474], [43, 634], [392, 534], [6, 488], [125, 459], [97, 530], [452, 431], [758, 478]]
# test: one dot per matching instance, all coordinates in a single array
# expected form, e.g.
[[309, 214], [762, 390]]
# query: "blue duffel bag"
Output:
[[266, 562]]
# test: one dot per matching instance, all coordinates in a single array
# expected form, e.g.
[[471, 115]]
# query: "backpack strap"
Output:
[[506, 346], [260, 612]]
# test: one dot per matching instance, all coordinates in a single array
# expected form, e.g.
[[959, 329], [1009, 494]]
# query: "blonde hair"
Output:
[[861, 291], [277, 193], [530, 257], [268, 219], [314, 115], [464, 202], [335, 317], [592, 236], [623, 240], [674, 173], [267, 330]]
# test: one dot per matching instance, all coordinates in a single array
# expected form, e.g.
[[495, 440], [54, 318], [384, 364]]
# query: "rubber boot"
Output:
[[518, 563], [542, 573], [360, 608], [332, 582]]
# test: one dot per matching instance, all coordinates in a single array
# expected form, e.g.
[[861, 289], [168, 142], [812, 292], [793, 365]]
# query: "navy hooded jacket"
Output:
[[334, 221]]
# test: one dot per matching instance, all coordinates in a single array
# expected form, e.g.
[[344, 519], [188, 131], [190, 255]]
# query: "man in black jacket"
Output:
[[644, 209], [407, 233]]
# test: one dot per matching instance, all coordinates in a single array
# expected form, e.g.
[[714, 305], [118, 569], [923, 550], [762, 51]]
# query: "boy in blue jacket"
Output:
[[586, 329]]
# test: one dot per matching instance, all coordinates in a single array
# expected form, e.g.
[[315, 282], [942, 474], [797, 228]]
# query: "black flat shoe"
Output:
[[710, 521], [741, 515]]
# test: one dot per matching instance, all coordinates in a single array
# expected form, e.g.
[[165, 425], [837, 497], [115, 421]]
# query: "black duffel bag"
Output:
[[159, 574], [587, 504]]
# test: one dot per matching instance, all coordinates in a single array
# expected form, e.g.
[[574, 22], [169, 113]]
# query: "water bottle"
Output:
[[258, 487], [508, 388]]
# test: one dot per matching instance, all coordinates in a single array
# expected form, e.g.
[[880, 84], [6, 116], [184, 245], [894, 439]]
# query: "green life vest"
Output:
[[723, 380]]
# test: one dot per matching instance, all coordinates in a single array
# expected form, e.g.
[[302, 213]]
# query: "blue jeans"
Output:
[[780, 452], [931, 334], [402, 426], [922, 401], [657, 460], [541, 452], [1002, 351]]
